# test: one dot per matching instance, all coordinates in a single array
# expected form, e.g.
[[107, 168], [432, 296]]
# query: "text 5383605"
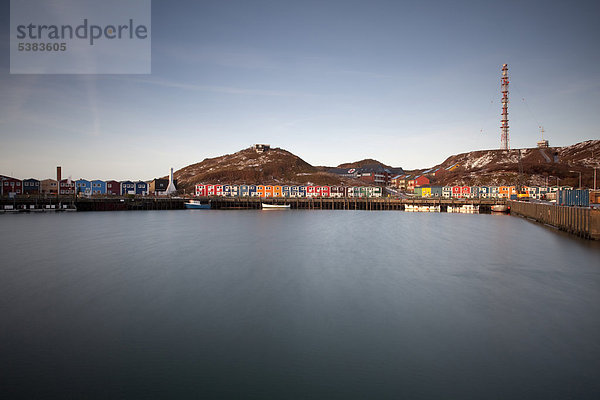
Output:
[[27, 46]]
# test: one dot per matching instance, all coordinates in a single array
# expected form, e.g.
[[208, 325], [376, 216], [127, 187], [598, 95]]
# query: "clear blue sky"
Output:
[[406, 83]]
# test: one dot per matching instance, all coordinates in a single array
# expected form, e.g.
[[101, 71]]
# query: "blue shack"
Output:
[[127, 187], [98, 187], [141, 188], [83, 187]]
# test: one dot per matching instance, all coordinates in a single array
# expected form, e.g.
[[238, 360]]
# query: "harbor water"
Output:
[[296, 305]]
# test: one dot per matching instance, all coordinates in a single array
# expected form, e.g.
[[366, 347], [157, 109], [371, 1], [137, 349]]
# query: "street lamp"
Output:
[[579, 178]]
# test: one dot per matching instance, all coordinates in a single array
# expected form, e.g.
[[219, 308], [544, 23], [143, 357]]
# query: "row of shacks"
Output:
[[207, 190], [64, 187], [507, 192], [287, 191]]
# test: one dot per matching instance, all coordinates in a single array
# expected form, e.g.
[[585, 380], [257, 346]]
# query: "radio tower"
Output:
[[504, 141]]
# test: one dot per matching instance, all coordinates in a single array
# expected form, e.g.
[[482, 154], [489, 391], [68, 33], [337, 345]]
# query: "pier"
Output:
[[346, 203], [579, 221], [31, 204], [53, 203], [129, 204]]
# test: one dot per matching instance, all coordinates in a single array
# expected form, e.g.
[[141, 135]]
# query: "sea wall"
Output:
[[580, 221]]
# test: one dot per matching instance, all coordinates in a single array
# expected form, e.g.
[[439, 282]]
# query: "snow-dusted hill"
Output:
[[276, 166], [485, 167]]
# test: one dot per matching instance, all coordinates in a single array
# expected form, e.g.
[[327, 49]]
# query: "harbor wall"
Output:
[[579, 221]]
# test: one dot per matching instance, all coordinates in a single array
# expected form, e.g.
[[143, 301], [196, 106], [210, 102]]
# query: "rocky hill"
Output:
[[496, 167], [275, 166]]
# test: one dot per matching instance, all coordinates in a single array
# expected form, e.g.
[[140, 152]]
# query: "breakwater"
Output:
[[583, 222]]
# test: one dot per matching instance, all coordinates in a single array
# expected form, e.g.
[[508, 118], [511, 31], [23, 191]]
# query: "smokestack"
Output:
[[58, 174]]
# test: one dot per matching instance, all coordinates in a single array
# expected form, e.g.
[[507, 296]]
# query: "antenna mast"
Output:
[[504, 140]]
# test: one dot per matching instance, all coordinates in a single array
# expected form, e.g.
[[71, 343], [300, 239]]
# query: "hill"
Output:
[[363, 163], [276, 166], [497, 167]]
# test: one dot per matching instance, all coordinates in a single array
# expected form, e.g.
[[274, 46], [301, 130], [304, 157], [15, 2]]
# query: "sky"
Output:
[[405, 83]]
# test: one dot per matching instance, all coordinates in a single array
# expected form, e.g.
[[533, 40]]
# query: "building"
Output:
[[49, 186], [141, 188], [98, 187], [127, 187], [452, 167], [417, 181], [506, 191], [483, 192], [403, 181], [447, 192], [465, 192], [375, 174], [158, 187], [428, 191], [32, 186], [66, 187], [83, 187], [113, 188], [395, 181], [261, 148], [11, 186], [456, 191]]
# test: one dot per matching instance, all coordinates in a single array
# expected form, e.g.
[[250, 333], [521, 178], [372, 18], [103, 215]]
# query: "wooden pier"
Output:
[[316, 203], [579, 221], [53, 203], [131, 204], [345, 203]]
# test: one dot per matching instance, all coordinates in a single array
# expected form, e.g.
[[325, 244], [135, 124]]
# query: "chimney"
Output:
[[58, 174]]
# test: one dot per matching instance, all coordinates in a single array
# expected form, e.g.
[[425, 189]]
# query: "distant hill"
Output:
[[276, 166], [363, 163], [497, 167]]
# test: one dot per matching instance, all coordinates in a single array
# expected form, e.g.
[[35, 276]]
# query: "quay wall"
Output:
[[579, 221]]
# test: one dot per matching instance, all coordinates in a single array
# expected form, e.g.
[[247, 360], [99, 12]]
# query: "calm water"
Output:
[[296, 304]]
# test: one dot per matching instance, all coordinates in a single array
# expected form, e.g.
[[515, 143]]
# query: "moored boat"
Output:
[[196, 205], [266, 206], [501, 208], [464, 209]]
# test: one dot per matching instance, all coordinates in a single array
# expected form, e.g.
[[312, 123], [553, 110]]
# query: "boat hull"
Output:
[[275, 206], [500, 208], [197, 206]]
